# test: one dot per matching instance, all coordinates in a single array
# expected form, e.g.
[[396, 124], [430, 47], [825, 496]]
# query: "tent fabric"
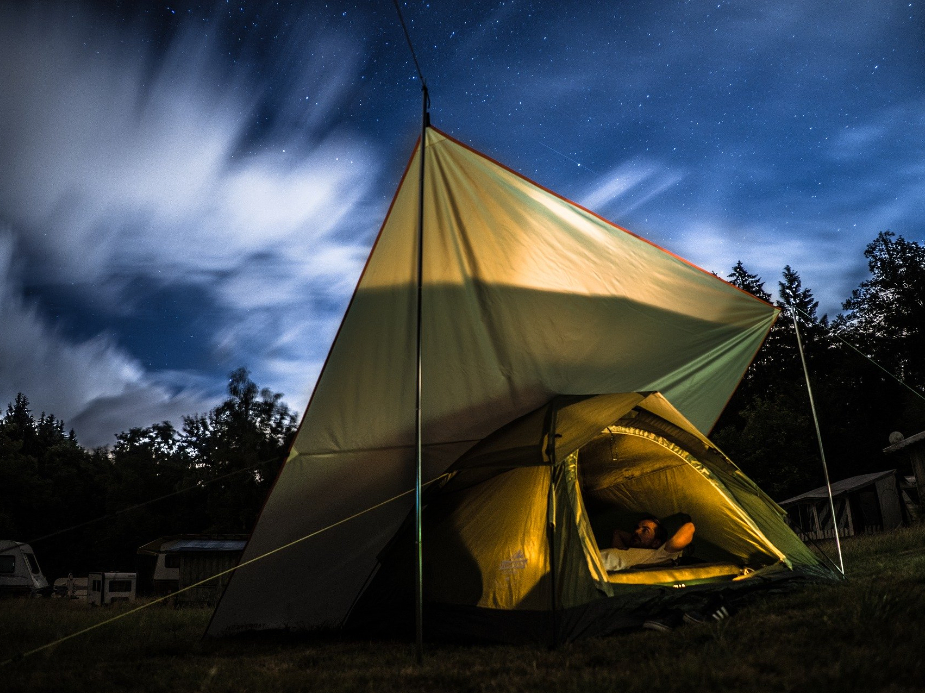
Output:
[[526, 297]]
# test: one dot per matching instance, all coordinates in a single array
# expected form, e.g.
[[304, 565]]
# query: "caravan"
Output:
[[108, 588], [19, 570]]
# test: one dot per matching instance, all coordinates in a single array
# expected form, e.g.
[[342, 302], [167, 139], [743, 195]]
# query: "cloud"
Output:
[[632, 184], [616, 184], [71, 379], [717, 246], [147, 173], [124, 169]]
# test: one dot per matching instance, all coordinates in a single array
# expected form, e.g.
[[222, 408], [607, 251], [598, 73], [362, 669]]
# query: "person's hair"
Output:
[[661, 534]]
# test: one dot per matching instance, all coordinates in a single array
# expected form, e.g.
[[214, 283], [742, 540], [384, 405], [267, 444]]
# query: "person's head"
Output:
[[649, 534]]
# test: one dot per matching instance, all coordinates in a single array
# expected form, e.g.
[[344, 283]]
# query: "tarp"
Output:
[[526, 297]]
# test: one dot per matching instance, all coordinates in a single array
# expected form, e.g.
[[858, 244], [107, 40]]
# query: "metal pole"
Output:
[[825, 468], [551, 523], [419, 425]]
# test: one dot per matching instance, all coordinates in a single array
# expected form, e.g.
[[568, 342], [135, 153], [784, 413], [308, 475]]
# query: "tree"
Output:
[[238, 449], [885, 315], [760, 374], [782, 346], [767, 427], [47, 483], [884, 319], [747, 281], [775, 445], [93, 510], [150, 472]]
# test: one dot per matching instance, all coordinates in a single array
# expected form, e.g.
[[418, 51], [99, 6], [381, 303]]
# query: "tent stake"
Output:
[[418, 434], [825, 468]]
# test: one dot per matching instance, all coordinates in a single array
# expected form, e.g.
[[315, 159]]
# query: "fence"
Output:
[[842, 532]]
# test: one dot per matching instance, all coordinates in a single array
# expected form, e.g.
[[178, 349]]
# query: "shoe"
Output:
[[665, 622], [715, 610]]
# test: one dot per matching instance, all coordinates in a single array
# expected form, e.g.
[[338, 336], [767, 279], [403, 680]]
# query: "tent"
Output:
[[533, 309]]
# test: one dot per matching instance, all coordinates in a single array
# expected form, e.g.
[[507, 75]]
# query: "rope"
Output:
[[854, 348], [29, 653], [404, 28], [820, 550], [566, 156]]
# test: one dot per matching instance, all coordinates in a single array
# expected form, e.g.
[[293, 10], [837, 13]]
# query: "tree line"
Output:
[[866, 368], [212, 475]]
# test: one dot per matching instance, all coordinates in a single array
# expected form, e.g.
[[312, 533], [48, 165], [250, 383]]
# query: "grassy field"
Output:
[[866, 634]]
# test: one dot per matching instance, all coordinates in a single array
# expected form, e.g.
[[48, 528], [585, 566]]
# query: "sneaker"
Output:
[[664, 622], [715, 610]]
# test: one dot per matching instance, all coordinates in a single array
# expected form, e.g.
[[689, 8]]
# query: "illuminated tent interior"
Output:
[[528, 303]]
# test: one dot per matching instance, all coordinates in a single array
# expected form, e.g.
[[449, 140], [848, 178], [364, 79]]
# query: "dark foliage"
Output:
[[90, 510]]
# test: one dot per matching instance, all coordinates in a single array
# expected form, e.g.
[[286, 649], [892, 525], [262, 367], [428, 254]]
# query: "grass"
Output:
[[866, 634]]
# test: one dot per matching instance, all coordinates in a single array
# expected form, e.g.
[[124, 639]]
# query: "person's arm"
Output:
[[621, 539], [681, 538]]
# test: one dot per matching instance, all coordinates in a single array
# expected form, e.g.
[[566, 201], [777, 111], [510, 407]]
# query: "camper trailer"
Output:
[[19, 570], [107, 588]]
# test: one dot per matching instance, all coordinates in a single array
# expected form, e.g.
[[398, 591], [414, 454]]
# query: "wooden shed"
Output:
[[184, 561], [864, 504]]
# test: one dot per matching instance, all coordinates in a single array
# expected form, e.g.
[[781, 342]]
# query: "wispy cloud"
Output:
[[628, 186], [123, 169], [72, 379], [717, 246]]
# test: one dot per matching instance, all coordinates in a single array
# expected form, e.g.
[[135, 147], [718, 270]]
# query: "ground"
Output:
[[864, 634]]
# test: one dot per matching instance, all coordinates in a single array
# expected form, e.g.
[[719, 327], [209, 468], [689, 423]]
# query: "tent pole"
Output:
[[825, 468], [418, 433], [551, 523]]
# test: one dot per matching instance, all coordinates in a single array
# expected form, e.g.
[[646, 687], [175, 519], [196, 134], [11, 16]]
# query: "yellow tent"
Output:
[[527, 297]]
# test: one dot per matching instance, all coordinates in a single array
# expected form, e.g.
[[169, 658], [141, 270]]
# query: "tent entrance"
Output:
[[642, 465]]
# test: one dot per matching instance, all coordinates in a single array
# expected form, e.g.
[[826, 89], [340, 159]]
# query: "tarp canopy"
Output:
[[526, 297]]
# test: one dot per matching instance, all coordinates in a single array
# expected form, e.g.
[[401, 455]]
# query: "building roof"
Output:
[[840, 487], [905, 442], [205, 545], [196, 543]]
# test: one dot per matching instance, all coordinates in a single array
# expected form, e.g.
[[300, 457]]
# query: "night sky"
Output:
[[186, 188]]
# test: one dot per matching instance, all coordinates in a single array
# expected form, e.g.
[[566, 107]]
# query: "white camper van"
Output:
[[19, 571], [106, 588]]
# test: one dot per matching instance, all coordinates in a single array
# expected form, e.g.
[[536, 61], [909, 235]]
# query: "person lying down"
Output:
[[647, 545]]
